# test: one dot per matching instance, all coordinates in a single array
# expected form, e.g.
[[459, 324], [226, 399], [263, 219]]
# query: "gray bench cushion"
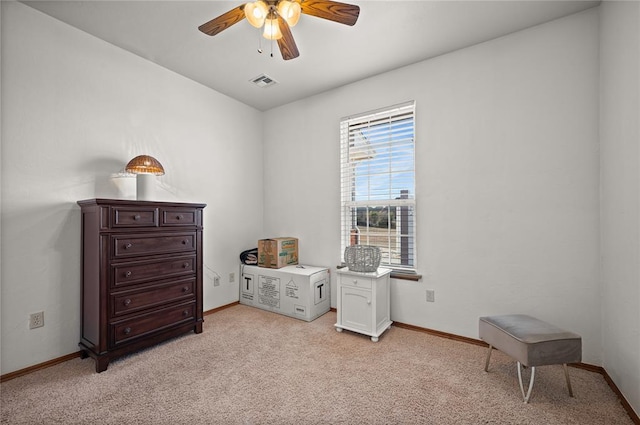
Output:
[[530, 341]]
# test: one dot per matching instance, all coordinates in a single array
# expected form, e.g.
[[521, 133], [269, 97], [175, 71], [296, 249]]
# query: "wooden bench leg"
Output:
[[486, 363], [566, 375]]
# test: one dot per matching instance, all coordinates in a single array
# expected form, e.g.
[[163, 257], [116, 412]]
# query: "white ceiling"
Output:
[[388, 35]]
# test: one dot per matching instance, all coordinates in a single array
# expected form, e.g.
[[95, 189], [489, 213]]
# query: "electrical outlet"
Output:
[[431, 295], [232, 277], [216, 281], [36, 320]]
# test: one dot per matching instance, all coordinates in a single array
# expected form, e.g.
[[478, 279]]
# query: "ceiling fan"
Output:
[[278, 16]]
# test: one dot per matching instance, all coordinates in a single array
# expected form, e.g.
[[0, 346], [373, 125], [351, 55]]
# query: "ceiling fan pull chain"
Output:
[[271, 23], [259, 42]]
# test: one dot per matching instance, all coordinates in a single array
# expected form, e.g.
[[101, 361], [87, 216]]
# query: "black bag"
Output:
[[249, 257]]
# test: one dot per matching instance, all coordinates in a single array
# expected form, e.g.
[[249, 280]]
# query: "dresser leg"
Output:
[[198, 328], [102, 363], [83, 354]]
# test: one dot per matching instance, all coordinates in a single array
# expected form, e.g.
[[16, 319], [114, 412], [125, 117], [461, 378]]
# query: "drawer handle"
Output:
[[136, 217], [368, 301], [185, 265], [126, 302], [185, 313], [185, 289], [127, 331], [128, 273], [184, 242], [178, 217], [355, 281], [128, 246]]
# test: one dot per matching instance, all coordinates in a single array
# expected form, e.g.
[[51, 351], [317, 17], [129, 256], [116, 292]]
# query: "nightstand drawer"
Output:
[[141, 271], [133, 245], [179, 217], [134, 217], [145, 324], [132, 301], [356, 281]]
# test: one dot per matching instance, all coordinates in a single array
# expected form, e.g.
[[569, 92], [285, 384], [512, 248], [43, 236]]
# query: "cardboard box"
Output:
[[275, 253], [303, 292]]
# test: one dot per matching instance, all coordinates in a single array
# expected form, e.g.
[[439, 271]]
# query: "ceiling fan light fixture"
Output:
[[271, 28], [278, 16], [290, 11], [256, 12]]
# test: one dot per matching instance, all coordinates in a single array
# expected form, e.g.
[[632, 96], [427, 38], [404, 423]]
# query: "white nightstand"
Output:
[[364, 302]]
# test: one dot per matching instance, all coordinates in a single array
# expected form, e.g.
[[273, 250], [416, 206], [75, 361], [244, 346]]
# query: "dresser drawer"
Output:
[[132, 301], [140, 271], [356, 281], [142, 325], [134, 217], [178, 217], [132, 245]]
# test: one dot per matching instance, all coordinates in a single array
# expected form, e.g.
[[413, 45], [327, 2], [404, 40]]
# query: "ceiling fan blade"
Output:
[[287, 44], [223, 21], [332, 10]]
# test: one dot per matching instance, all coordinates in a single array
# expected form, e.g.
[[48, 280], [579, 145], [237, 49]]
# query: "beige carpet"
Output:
[[254, 367]]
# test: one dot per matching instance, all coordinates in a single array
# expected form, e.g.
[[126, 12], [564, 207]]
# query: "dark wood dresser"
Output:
[[142, 275]]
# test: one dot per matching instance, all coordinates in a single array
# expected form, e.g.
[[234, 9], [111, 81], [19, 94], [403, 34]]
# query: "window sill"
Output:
[[406, 276], [396, 274]]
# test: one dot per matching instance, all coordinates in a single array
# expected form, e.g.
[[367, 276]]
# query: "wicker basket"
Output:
[[362, 258]]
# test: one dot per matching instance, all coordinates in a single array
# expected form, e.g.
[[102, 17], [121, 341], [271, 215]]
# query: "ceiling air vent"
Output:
[[263, 81]]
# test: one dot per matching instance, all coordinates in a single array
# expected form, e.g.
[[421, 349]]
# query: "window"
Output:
[[378, 183]]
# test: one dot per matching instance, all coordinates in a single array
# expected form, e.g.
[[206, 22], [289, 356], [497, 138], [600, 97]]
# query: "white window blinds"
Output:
[[378, 183]]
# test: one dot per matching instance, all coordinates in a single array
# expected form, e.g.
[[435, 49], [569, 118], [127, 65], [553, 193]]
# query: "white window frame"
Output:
[[362, 158]]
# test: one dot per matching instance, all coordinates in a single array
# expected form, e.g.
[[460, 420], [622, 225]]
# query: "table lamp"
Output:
[[146, 168]]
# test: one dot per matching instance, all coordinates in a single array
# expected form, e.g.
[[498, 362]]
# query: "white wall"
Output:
[[620, 162], [507, 179], [74, 110]]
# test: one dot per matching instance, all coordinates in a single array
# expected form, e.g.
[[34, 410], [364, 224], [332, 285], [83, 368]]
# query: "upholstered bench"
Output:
[[531, 342]]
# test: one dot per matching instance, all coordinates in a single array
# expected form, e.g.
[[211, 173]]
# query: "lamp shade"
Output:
[[256, 12], [145, 164], [290, 11], [272, 28]]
